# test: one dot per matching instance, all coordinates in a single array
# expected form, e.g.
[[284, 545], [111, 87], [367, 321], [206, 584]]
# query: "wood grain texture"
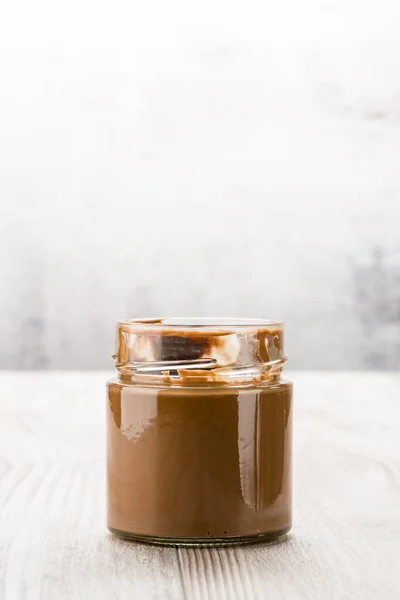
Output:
[[346, 539]]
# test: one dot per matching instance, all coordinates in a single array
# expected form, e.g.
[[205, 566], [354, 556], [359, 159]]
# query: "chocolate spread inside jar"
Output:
[[199, 432]]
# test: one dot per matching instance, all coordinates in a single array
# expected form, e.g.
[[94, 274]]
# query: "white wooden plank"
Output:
[[346, 539]]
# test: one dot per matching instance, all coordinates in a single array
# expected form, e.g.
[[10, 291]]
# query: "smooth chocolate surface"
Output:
[[199, 462]]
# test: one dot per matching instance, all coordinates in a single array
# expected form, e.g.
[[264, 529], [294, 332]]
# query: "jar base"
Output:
[[268, 537]]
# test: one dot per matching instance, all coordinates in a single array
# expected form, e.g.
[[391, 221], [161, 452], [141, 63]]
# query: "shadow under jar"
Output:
[[199, 432]]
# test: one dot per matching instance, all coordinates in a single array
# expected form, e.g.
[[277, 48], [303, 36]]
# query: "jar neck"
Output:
[[157, 353]]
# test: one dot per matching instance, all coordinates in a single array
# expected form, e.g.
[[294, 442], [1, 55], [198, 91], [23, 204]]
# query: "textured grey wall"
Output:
[[155, 160]]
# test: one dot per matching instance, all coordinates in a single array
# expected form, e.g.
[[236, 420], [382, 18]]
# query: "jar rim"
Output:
[[200, 348], [214, 324]]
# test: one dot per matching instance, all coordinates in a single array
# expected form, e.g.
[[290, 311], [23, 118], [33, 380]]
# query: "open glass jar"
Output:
[[199, 432]]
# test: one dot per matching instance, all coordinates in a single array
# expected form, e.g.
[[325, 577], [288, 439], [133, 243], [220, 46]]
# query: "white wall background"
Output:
[[208, 158]]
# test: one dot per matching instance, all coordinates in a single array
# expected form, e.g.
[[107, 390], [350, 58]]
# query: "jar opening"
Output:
[[205, 349], [213, 323]]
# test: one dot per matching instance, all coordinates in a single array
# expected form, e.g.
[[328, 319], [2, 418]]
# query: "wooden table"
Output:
[[346, 539]]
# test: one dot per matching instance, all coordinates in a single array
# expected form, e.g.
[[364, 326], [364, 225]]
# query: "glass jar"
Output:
[[199, 432]]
